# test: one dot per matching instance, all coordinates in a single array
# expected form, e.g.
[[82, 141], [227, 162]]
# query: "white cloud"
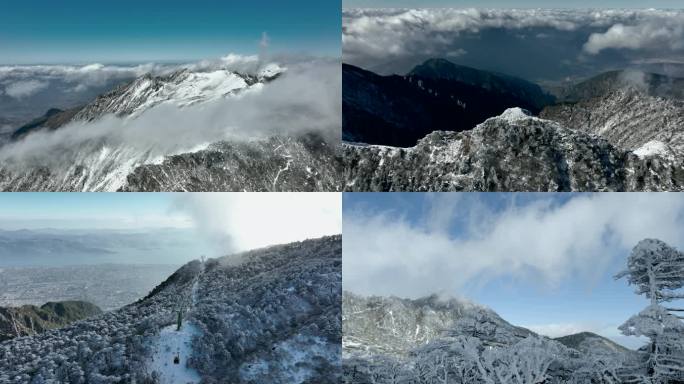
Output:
[[656, 32], [396, 32], [265, 40], [374, 37], [80, 77], [305, 99], [241, 221], [246, 64], [387, 254], [22, 89]]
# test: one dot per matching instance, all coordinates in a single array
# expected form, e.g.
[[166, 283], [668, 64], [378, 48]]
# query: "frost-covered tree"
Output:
[[657, 271]]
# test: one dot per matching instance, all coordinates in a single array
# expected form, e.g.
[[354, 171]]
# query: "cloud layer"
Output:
[[306, 98], [654, 32], [385, 253], [233, 222], [21, 89], [79, 78], [22, 80], [394, 40]]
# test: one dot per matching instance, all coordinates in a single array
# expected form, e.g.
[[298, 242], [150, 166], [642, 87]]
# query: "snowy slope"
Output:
[[110, 162], [628, 118], [181, 88], [431, 340], [177, 343], [170, 344], [394, 326], [510, 152], [306, 163], [268, 315]]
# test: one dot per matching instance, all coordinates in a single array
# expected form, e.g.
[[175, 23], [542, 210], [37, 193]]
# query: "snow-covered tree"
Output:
[[657, 271]]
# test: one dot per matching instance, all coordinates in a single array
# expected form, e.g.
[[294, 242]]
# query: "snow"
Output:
[[202, 86], [293, 357], [653, 148], [513, 115], [286, 168], [271, 70], [169, 343]]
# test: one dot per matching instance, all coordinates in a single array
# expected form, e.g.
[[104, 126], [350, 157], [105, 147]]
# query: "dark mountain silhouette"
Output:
[[436, 95], [52, 119]]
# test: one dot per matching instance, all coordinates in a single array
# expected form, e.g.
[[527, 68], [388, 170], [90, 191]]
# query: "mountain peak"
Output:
[[438, 68], [589, 342]]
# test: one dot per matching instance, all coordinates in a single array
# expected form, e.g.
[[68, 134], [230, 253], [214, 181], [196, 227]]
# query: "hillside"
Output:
[[94, 147], [435, 96], [588, 342], [431, 340], [268, 315], [30, 319], [510, 152]]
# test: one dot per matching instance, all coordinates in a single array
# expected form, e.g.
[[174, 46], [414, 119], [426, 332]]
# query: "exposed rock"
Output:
[[511, 152]]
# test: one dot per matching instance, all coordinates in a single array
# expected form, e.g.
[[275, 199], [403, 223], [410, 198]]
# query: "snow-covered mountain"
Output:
[[511, 152], [618, 131], [304, 161], [629, 118], [588, 342], [269, 315], [182, 88], [394, 326], [432, 340]]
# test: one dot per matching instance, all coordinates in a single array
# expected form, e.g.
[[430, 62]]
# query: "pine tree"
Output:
[[657, 271]]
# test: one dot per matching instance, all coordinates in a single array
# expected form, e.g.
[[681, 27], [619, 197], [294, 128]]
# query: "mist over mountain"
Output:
[[603, 87], [49, 247], [553, 46], [233, 106]]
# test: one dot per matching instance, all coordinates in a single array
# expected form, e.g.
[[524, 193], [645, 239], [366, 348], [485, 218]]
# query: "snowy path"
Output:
[[171, 343]]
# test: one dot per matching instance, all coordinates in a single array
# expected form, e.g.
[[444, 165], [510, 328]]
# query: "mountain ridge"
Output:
[[510, 152], [399, 110], [468, 343], [302, 161], [254, 313], [30, 319]]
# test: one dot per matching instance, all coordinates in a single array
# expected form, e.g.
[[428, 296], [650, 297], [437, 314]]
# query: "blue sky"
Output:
[[512, 4], [77, 31], [543, 261]]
